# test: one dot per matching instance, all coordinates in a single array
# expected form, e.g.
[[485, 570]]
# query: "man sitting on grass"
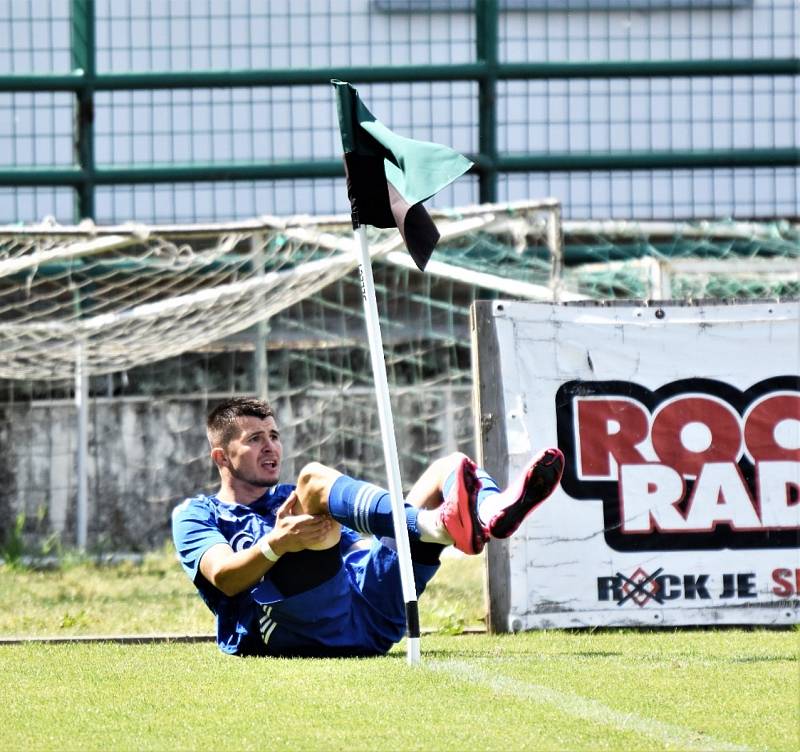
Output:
[[285, 568]]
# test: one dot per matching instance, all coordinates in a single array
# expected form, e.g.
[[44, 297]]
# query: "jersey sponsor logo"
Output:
[[241, 540], [696, 464]]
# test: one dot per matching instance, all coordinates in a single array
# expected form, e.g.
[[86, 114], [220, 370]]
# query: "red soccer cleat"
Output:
[[459, 510], [510, 507]]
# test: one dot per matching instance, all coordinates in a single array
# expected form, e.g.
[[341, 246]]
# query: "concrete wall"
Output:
[[146, 455]]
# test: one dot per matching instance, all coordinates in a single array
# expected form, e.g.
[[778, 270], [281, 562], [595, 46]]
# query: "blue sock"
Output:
[[367, 508]]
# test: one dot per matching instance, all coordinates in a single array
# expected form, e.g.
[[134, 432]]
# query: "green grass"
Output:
[[552, 690], [547, 690], [155, 596]]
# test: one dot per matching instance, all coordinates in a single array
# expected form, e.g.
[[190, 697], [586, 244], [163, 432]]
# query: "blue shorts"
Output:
[[359, 611]]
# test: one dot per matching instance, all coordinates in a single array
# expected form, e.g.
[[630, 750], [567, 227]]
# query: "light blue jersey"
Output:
[[359, 610]]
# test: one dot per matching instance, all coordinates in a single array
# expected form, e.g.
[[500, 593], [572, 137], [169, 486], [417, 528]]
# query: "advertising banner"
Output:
[[680, 426]]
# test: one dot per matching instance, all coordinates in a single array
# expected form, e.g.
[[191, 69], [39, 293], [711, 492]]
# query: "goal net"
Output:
[[150, 326], [119, 297], [157, 323]]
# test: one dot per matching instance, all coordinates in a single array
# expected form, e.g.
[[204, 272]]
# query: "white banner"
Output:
[[680, 425]]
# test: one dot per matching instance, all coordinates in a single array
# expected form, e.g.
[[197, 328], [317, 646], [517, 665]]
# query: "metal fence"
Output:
[[180, 110]]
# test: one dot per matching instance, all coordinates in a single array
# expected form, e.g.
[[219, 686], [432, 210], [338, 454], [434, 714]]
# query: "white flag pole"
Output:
[[389, 446]]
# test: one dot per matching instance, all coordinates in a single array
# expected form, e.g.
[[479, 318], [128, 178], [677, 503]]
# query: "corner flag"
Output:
[[389, 176]]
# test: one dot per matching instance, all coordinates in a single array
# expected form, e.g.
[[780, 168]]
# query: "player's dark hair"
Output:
[[222, 425]]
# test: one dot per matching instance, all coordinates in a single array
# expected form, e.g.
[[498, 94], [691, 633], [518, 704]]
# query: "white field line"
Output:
[[585, 709]]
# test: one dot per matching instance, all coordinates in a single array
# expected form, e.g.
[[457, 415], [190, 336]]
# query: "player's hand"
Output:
[[296, 532]]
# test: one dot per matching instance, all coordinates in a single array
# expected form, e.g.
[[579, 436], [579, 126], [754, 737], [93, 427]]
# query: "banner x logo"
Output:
[[641, 587]]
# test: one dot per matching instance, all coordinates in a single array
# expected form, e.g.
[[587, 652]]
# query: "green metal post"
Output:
[[83, 59], [486, 32]]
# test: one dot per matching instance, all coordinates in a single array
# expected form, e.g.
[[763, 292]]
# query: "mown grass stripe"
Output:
[[586, 709]]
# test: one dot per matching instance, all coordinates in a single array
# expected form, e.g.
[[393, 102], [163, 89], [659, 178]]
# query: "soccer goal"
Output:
[[115, 339]]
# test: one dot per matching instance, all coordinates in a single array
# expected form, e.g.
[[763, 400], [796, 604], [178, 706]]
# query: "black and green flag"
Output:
[[389, 176]]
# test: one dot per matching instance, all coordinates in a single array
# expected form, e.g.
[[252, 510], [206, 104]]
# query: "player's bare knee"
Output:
[[308, 480], [313, 483]]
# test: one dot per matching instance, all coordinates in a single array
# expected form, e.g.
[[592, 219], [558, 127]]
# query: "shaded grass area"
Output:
[[546, 691], [83, 597]]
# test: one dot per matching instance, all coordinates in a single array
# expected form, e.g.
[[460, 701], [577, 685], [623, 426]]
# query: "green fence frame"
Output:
[[84, 81]]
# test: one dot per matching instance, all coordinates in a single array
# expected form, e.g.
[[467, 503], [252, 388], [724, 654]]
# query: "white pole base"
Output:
[[413, 651]]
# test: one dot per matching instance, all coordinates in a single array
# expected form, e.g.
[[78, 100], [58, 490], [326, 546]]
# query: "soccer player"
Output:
[[285, 568]]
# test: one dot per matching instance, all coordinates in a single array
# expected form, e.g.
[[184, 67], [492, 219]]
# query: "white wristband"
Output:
[[266, 549]]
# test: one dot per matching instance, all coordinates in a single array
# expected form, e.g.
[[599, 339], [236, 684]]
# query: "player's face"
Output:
[[254, 456]]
